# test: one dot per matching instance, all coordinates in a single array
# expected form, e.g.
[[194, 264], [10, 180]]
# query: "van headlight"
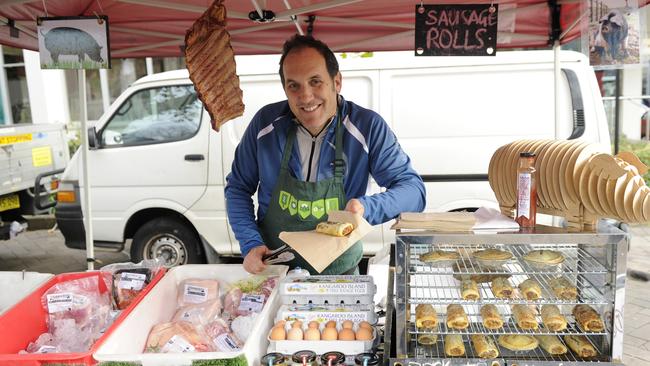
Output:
[[66, 193]]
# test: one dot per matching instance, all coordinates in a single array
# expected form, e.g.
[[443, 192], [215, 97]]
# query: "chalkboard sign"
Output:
[[456, 30]]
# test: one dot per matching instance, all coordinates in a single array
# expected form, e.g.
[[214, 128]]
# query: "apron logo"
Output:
[[293, 206], [304, 209], [284, 199], [318, 208], [331, 204]]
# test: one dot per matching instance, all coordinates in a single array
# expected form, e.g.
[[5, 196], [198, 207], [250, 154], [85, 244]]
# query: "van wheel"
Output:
[[169, 239]]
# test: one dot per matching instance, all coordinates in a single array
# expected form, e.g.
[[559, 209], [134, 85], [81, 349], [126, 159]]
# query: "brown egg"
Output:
[[280, 322], [278, 333], [364, 334], [296, 324], [330, 324], [348, 324], [365, 324], [329, 334], [314, 324], [346, 334], [295, 334], [312, 334]]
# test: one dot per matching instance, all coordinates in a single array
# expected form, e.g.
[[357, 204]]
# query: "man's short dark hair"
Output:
[[298, 42]]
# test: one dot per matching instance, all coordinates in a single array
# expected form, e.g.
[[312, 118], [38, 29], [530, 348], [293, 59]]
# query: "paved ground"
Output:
[[43, 251]]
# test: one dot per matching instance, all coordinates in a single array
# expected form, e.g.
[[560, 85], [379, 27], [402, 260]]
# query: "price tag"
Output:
[[177, 344], [59, 302], [195, 294], [251, 302], [226, 343], [131, 281]]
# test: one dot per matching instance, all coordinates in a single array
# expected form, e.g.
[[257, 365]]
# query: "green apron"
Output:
[[299, 206]]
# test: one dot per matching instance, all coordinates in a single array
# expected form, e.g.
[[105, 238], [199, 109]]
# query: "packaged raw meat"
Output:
[[196, 291], [231, 303], [199, 314], [222, 338], [129, 279], [177, 337]]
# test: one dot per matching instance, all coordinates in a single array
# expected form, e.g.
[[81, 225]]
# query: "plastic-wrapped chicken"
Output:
[[196, 291], [177, 337], [231, 302], [222, 338], [199, 314]]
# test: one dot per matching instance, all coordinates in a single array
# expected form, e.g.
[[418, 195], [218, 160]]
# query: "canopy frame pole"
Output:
[[86, 206], [294, 19], [181, 7]]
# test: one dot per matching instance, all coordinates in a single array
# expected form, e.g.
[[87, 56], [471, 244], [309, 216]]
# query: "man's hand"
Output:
[[355, 206], [253, 260]]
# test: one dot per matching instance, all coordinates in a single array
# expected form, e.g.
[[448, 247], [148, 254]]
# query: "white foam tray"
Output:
[[346, 347], [127, 342]]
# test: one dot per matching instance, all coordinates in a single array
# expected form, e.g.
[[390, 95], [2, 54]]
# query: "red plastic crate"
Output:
[[25, 321]]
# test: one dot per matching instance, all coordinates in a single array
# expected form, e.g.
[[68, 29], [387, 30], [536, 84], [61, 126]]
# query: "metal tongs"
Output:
[[281, 255]]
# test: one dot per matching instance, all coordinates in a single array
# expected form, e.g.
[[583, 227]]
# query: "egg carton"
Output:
[[328, 290], [325, 312], [348, 347]]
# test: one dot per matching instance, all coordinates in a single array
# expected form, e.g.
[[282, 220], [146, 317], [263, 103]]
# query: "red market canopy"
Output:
[[140, 28]]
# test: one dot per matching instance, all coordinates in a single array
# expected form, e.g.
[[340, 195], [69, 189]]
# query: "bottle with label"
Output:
[[366, 359], [333, 358], [304, 358], [526, 191], [273, 359]]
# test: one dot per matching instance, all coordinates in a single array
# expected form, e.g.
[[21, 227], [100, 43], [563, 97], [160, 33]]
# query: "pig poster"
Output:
[[74, 43], [614, 35]]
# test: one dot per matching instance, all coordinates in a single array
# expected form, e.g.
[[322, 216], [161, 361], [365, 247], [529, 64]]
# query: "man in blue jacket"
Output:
[[311, 154]]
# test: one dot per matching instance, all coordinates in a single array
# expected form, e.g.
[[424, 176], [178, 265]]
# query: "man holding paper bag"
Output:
[[313, 154]]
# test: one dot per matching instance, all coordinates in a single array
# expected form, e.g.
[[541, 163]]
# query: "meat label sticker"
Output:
[[225, 343], [250, 302], [131, 281], [46, 349], [59, 302], [195, 294], [177, 344]]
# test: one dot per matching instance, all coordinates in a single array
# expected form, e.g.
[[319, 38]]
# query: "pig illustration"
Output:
[[611, 36], [72, 41]]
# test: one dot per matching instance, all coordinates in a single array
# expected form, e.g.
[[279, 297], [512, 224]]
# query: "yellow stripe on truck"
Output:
[[14, 139]]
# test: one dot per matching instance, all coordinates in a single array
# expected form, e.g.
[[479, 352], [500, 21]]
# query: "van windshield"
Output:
[[155, 115]]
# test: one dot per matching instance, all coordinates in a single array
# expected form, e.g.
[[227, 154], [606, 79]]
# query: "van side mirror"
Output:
[[93, 141]]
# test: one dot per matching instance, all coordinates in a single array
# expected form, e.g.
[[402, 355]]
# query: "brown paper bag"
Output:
[[320, 250]]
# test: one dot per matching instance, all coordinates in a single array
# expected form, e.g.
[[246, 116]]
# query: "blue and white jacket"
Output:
[[367, 139]]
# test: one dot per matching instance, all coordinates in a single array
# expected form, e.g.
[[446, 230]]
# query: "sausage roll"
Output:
[[334, 228], [484, 346], [501, 288], [551, 344], [553, 318], [563, 289], [518, 342], [454, 345], [469, 290], [427, 339], [530, 289], [491, 317], [425, 316], [524, 317], [456, 317], [580, 345], [588, 318], [439, 256], [544, 257]]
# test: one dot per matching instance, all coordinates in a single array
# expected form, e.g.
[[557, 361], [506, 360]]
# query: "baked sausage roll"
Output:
[[334, 228], [563, 289], [425, 316], [484, 346], [588, 318], [544, 257], [524, 317], [553, 318], [454, 345], [439, 256], [501, 288], [427, 339], [530, 289], [551, 344], [469, 290], [518, 342], [491, 317], [580, 345], [456, 317]]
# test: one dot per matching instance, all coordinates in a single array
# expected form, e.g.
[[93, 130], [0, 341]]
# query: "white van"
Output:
[[158, 170]]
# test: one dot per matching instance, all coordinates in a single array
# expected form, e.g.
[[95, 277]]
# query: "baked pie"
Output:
[[563, 289], [588, 318], [454, 345], [580, 345], [551, 344], [484, 346], [491, 317], [456, 317], [518, 342], [425, 316], [469, 290], [492, 257], [530, 289], [524, 317], [501, 288], [553, 318], [544, 257], [439, 256]]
